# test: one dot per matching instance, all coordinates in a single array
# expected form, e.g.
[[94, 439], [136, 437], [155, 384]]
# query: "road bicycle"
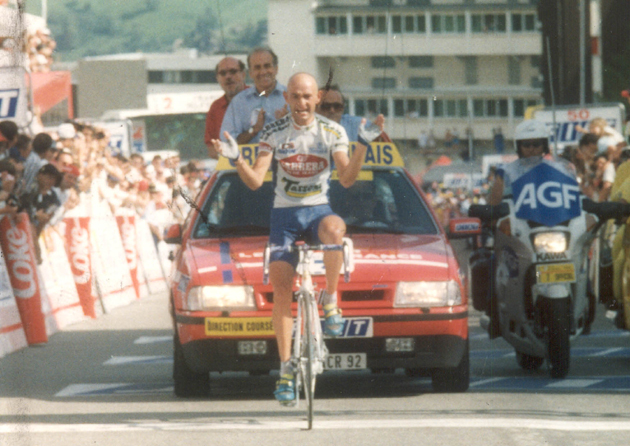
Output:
[[309, 350]]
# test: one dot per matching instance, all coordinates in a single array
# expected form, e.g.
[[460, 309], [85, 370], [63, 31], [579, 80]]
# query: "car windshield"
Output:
[[380, 201]]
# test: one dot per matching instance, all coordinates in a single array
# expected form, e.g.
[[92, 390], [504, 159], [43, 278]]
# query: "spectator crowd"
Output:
[[45, 176]]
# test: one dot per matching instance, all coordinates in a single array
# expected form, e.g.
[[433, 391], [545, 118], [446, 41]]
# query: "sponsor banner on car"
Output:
[[238, 326]]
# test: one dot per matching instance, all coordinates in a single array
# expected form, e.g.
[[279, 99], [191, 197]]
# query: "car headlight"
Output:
[[220, 298], [427, 294], [548, 242]]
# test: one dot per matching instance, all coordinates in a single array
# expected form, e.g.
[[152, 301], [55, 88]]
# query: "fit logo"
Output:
[[21, 264], [79, 252]]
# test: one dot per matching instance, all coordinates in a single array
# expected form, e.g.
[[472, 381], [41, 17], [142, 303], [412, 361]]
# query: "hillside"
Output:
[[96, 27]]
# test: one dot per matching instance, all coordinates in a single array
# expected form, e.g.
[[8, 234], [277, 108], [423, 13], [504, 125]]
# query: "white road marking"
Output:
[[153, 339], [573, 383], [485, 381], [346, 424], [124, 360], [608, 351], [77, 389], [114, 389]]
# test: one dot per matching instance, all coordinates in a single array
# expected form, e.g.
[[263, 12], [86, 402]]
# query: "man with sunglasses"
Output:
[[532, 147], [332, 107], [231, 76], [254, 108]]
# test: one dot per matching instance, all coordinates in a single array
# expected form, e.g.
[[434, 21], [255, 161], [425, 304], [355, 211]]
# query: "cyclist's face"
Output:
[[302, 97], [263, 71]]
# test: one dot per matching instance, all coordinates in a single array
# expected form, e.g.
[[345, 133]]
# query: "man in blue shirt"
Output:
[[254, 108], [332, 106]]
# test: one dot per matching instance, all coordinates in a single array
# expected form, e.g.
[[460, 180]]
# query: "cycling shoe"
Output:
[[285, 390], [333, 323]]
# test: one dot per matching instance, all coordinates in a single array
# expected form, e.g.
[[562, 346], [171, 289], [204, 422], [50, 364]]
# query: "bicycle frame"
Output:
[[309, 350]]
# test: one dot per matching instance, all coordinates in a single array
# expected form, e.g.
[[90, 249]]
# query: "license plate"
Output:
[[345, 361], [555, 273]]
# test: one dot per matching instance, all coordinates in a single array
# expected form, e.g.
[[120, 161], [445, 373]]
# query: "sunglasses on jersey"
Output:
[[531, 144], [336, 106], [231, 71]]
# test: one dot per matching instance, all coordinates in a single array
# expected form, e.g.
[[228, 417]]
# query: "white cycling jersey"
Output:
[[303, 158]]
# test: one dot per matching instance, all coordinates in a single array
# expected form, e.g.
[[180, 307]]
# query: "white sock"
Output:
[[286, 368], [328, 298]]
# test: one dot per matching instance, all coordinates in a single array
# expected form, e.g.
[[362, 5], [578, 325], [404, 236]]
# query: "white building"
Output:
[[422, 63]]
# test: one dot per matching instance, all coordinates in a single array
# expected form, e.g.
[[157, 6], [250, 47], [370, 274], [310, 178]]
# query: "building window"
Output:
[[369, 24], [514, 71], [420, 61], [448, 23], [206, 77], [411, 108], [383, 62], [523, 22], [370, 108], [462, 108], [535, 61], [536, 81], [357, 25], [490, 108], [438, 108], [156, 77], [489, 23], [171, 77], [331, 25], [450, 108], [186, 77], [520, 105], [397, 24], [409, 24], [383, 82], [420, 82]]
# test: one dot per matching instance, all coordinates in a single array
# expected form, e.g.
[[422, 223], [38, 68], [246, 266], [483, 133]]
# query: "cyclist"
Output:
[[301, 147]]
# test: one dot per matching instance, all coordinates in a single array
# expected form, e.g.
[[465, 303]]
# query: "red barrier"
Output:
[[127, 228], [17, 245], [78, 250]]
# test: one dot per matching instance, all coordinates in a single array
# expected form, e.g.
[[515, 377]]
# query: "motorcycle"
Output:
[[539, 298]]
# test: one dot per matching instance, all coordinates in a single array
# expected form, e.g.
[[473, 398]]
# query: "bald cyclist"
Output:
[[301, 210]]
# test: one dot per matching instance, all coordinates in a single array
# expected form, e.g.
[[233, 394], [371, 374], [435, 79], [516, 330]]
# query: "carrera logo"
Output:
[[80, 255], [303, 166], [551, 256], [20, 262]]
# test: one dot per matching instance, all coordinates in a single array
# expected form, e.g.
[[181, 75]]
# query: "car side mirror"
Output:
[[464, 228], [174, 235]]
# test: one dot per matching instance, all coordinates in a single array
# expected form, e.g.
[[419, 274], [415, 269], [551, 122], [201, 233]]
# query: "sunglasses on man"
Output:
[[231, 71], [531, 144]]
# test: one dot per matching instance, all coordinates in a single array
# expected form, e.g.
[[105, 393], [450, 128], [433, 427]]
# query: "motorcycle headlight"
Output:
[[427, 294], [220, 298], [547, 242]]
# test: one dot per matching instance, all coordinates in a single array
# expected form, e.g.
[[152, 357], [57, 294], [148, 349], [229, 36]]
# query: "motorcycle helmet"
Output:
[[531, 129]]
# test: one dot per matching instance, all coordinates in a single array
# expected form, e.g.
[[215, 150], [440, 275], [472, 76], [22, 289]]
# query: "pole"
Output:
[[582, 52], [553, 100], [45, 11]]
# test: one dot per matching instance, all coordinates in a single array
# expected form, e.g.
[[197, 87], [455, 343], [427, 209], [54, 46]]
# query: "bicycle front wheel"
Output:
[[308, 358]]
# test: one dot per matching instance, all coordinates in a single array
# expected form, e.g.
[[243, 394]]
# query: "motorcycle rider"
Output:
[[532, 147]]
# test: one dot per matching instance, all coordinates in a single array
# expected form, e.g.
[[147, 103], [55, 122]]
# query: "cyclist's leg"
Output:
[[281, 276]]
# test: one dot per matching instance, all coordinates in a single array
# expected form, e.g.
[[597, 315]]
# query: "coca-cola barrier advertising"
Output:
[[78, 250], [127, 228], [16, 239]]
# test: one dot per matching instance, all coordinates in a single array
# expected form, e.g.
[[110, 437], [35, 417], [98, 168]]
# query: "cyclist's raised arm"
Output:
[[254, 176], [349, 168]]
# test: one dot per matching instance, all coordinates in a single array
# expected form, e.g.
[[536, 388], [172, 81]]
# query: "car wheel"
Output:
[[529, 362], [188, 383], [455, 379]]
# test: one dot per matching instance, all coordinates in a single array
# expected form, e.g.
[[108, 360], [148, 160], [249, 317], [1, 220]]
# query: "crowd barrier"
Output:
[[91, 262]]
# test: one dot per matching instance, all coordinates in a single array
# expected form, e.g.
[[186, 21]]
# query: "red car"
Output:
[[405, 305]]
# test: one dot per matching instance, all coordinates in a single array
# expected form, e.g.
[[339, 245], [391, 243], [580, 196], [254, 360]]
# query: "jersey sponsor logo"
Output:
[[547, 196], [303, 166], [286, 148], [297, 190]]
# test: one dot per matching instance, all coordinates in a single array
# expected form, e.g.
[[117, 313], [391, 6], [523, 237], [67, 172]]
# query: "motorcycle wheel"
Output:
[[528, 362], [558, 325]]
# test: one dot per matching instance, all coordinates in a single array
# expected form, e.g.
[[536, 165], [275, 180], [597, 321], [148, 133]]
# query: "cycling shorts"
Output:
[[292, 224]]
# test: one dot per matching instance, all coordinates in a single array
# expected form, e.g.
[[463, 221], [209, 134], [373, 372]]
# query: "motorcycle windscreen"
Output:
[[546, 196]]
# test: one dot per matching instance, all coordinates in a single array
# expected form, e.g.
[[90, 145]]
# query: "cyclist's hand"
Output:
[[368, 132], [227, 149]]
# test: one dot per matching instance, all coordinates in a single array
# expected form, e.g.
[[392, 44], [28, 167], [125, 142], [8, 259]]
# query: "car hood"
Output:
[[378, 258]]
